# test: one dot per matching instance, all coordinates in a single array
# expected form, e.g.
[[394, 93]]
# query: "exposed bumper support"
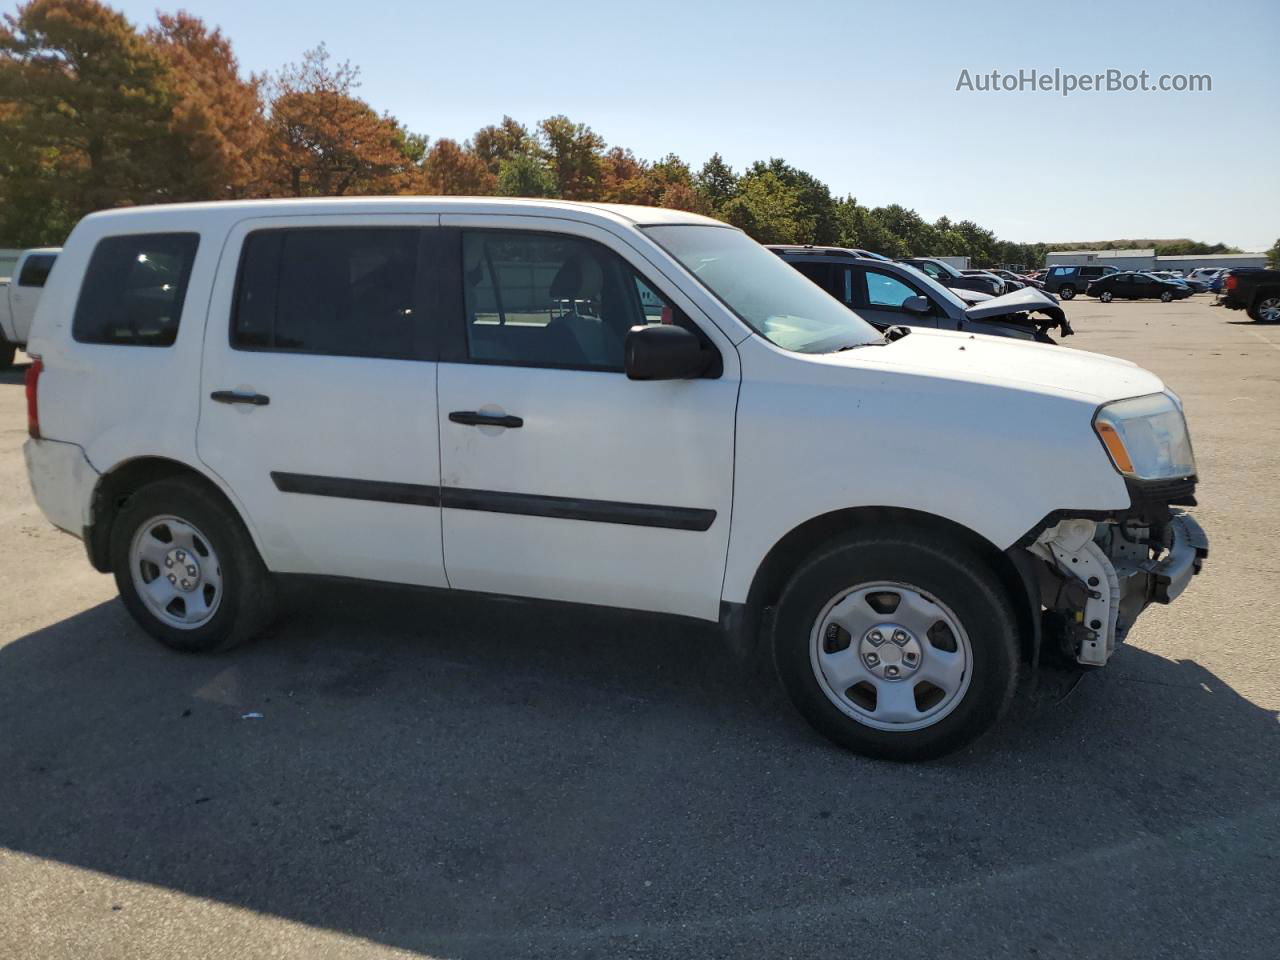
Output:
[[1098, 577]]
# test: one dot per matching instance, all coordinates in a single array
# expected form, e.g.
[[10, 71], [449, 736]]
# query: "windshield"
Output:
[[936, 290], [768, 295]]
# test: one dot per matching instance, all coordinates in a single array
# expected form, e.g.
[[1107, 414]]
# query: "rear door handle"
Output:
[[471, 418], [231, 396]]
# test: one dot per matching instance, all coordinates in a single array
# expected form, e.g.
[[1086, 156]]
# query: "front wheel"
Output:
[[187, 569], [1106, 296], [898, 647], [1067, 293], [1165, 296], [1266, 310]]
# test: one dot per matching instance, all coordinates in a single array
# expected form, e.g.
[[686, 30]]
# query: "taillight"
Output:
[[1231, 281], [33, 403]]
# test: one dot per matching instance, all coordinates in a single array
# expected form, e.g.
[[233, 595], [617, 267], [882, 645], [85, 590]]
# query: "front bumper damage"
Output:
[[1098, 573]]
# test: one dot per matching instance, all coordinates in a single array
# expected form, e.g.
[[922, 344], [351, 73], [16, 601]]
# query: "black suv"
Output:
[[1068, 280]]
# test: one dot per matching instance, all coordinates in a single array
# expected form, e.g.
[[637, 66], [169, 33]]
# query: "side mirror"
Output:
[[917, 304], [664, 352]]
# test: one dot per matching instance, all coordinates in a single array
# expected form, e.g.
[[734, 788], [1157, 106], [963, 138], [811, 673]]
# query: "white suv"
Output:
[[624, 406]]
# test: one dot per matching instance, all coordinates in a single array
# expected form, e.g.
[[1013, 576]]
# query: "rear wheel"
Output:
[[187, 569], [1165, 296], [902, 647], [1067, 293], [1266, 310], [1106, 296]]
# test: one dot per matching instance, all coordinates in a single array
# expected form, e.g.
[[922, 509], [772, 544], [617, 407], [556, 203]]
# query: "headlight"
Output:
[[1146, 437]]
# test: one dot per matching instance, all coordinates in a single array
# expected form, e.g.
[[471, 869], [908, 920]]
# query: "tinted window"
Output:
[[134, 289], [338, 291], [36, 270], [886, 291], [551, 301], [819, 273]]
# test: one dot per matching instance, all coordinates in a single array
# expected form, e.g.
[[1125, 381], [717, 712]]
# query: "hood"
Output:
[[1021, 364], [1026, 300], [971, 296]]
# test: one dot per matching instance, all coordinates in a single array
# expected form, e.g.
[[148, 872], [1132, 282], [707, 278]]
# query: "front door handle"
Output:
[[472, 418], [231, 396]]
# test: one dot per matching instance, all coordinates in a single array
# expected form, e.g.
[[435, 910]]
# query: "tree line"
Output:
[[95, 113]]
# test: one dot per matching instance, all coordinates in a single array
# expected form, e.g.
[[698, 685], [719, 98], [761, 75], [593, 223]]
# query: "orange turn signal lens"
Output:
[[1115, 446]]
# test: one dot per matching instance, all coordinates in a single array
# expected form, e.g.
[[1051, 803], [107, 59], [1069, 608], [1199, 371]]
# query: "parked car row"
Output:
[[574, 402]]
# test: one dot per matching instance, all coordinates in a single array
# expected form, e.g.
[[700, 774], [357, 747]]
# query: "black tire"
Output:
[[1267, 301], [7, 353], [248, 590], [951, 574], [1106, 296], [1067, 292], [1165, 296]]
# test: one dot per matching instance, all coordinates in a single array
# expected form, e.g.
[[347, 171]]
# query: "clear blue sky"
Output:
[[861, 94]]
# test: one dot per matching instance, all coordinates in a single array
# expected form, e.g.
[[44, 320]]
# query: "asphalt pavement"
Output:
[[389, 774]]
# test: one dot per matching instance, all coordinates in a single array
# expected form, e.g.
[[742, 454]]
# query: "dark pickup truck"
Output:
[[1257, 291]]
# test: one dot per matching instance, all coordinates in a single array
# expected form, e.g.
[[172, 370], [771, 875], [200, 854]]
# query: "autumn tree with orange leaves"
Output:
[[327, 142]]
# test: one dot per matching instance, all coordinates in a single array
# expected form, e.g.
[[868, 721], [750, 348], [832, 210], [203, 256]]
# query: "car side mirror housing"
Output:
[[916, 304], [664, 352]]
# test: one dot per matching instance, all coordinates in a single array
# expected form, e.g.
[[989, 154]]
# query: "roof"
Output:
[[399, 204], [1215, 256], [1142, 252]]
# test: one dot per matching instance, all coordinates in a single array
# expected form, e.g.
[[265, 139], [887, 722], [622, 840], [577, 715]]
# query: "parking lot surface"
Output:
[[393, 775]]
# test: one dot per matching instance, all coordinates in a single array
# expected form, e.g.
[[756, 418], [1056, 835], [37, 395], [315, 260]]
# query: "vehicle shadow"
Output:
[[476, 778]]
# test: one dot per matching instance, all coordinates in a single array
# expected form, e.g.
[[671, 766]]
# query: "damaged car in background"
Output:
[[888, 293]]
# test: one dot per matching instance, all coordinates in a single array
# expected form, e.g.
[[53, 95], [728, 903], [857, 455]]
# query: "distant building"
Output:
[[1241, 261], [1142, 259], [1147, 260]]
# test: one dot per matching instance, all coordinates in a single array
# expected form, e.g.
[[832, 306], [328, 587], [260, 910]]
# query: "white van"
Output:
[[611, 405]]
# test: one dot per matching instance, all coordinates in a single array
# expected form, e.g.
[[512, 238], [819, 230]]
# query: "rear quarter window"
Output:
[[36, 270], [134, 289]]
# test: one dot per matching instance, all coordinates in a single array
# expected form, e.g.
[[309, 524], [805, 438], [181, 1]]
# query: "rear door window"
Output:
[[338, 291], [134, 289]]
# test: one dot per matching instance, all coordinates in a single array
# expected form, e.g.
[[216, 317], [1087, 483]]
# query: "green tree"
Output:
[[496, 143], [1273, 256], [525, 175], [574, 152], [858, 226], [767, 209], [816, 207], [716, 183]]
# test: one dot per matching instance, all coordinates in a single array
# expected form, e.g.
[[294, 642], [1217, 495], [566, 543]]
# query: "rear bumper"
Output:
[[62, 480]]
